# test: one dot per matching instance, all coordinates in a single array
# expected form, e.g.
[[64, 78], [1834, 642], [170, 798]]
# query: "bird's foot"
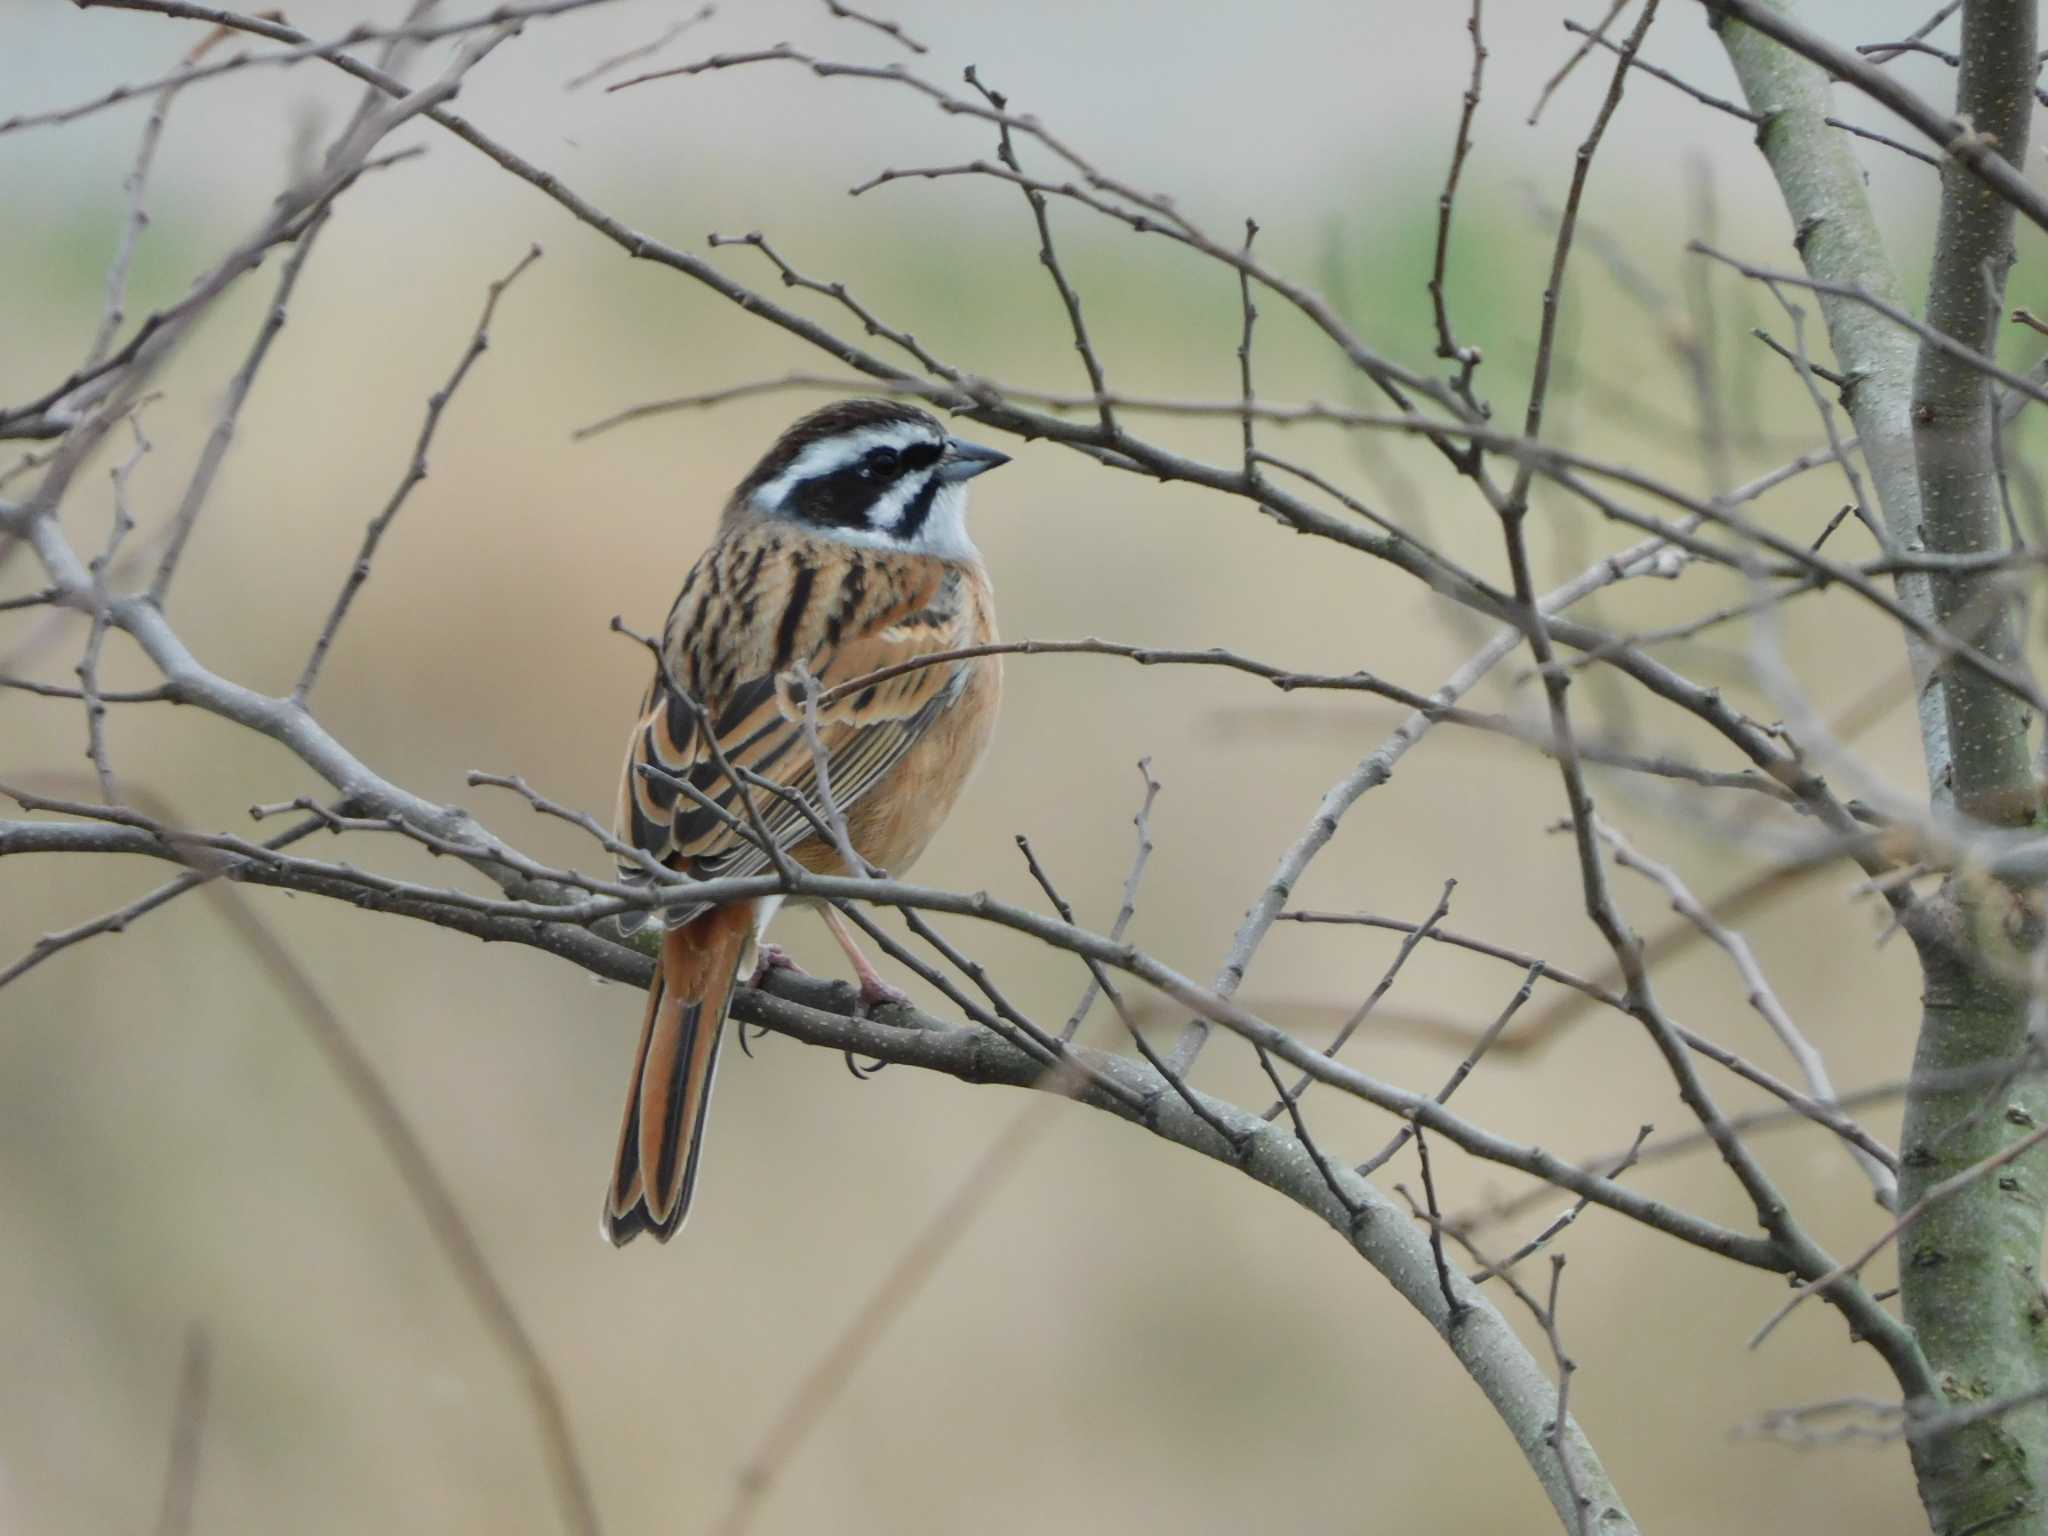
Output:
[[874, 993], [769, 958]]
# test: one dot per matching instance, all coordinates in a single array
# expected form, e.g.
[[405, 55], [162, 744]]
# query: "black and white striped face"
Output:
[[872, 472]]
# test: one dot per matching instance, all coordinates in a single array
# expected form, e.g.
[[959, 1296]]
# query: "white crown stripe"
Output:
[[834, 454]]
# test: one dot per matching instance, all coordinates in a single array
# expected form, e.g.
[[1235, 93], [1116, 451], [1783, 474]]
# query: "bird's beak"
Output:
[[965, 460]]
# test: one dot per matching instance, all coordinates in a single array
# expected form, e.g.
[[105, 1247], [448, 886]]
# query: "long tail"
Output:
[[670, 1095]]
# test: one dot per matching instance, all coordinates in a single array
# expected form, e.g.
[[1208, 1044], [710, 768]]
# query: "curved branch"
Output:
[[805, 1008]]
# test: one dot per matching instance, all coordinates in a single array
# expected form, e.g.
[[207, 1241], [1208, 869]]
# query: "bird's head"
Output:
[[879, 473]]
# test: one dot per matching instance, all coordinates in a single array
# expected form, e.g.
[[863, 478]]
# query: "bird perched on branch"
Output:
[[843, 553]]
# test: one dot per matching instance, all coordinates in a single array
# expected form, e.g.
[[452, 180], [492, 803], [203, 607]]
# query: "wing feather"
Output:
[[759, 603]]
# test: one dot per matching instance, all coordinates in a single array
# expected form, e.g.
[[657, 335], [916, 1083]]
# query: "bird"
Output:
[[843, 552]]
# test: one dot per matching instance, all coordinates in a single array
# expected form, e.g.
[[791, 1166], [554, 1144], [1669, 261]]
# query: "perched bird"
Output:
[[842, 553]]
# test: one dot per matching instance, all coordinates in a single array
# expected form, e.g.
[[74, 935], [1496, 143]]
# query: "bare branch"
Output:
[[1070, 298], [1825, 1114], [1941, 341], [1761, 997], [1615, 1169], [668, 35], [1882, 53], [431, 1193], [1364, 1010], [192, 71], [1464, 1068], [1950, 134], [1704, 98], [1143, 822], [1447, 347], [1578, 56], [188, 1429], [1553, 292], [135, 185], [821, 1385], [1375, 769], [117, 921], [1355, 1207], [792, 1006], [1919, 1208], [415, 472], [1886, 140], [200, 485], [1436, 1229], [880, 24]]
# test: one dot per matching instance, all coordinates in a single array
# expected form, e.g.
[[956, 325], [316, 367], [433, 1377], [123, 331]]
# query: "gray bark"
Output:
[[1970, 1286]]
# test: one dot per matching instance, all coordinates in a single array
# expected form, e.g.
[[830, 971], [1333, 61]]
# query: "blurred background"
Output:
[[1128, 1337]]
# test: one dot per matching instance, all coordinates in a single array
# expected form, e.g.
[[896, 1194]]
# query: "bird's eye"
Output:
[[878, 464]]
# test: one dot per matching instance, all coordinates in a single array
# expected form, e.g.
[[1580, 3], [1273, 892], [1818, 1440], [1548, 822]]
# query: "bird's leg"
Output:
[[873, 990], [768, 958]]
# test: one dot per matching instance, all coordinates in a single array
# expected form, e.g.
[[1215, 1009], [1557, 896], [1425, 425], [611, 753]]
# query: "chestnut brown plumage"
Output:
[[843, 552]]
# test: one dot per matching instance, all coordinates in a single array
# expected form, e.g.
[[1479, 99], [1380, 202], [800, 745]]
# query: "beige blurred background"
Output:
[[1129, 1337]]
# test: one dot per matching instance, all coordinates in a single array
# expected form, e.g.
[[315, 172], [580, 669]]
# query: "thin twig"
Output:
[[819, 1388], [1885, 139], [1463, 1069], [1818, 370], [1108, 988], [1578, 56], [1879, 53], [1244, 356], [1704, 98], [1757, 987], [1553, 291], [1353, 1207], [415, 472], [1128, 909], [1503, 1267], [117, 921], [1908, 45], [881, 24], [433, 1196], [191, 71], [1602, 993], [200, 485], [1070, 297], [1934, 1196], [135, 186], [1566, 1367], [1454, 1306], [1375, 769], [101, 569], [1545, 1313], [188, 1431], [626, 853], [668, 35], [1447, 346], [1409, 945]]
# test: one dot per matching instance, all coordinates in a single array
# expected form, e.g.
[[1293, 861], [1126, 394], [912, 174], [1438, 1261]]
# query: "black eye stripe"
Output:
[[849, 494], [887, 463]]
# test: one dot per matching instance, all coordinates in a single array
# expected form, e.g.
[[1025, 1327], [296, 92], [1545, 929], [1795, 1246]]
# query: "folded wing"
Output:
[[730, 678]]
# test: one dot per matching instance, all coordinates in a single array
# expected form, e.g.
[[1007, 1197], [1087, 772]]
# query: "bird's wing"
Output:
[[758, 606]]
